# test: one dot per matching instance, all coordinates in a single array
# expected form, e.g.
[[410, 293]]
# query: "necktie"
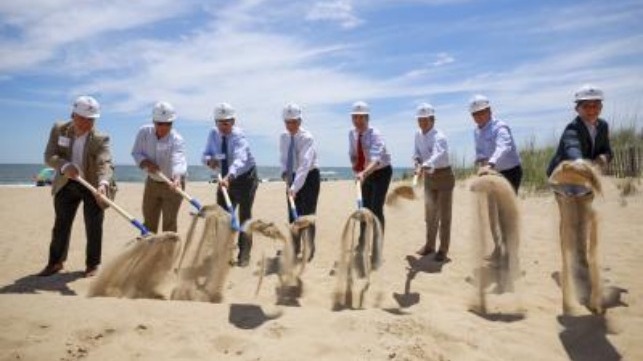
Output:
[[224, 151], [290, 162], [361, 159]]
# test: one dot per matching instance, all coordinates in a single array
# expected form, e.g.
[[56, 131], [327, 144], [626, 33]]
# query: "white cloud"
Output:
[[339, 11], [260, 54], [42, 27], [443, 59]]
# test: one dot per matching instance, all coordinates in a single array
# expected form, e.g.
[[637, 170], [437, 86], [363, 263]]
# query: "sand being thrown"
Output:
[[140, 270], [357, 263], [497, 229], [203, 266]]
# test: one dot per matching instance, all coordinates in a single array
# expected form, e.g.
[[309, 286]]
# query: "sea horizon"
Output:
[[24, 173]]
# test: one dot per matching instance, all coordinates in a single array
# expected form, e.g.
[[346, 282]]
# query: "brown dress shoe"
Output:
[[51, 269], [90, 271], [440, 256], [424, 251]]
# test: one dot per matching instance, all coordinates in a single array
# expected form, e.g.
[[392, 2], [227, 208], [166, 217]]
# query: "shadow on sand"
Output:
[[584, 339], [247, 316], [54, 283], [416, 265]]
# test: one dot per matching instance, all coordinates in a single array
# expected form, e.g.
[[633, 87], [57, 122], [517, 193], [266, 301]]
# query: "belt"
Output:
[[441, 170]]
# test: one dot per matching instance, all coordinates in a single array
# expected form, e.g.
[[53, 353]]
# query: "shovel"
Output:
[[193, 201], [144, 231], [403, 191], [234, 222]]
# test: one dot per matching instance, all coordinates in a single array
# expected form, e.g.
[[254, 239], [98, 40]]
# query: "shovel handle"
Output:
[[193, 201], [293, 209], [121, 211], [415, 179], [358, 194], [228, 204]]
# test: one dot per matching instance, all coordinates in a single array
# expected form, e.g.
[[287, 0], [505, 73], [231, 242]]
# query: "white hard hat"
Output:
[[478, 102], [292, 111], [425, 110], [163, 112], [360, 107], [224, 111], [588, 92], [87, 107]]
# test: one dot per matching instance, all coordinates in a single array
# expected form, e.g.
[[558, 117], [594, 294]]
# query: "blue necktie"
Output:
[[291, 159], [224, 150]]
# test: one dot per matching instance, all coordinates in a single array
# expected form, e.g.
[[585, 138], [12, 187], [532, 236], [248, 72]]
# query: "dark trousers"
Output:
[[374, 191], [514, 176], [66, 203], [306, 204], [242, 193]]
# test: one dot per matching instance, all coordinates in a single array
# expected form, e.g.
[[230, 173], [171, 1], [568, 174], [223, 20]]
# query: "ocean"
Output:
[[23, 174]]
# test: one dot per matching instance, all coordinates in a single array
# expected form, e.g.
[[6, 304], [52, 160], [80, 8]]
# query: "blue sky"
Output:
[[527, 56]]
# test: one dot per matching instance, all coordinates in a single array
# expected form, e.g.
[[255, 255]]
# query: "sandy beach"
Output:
[[416, 309]]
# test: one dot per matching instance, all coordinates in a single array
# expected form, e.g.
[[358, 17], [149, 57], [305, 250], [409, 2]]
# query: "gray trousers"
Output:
[[438, 199]]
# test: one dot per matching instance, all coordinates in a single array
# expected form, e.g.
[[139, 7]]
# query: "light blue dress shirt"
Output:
[[431, 149], [305, 156], [495, 144], [374, 147], [240, 159], [167, 152]]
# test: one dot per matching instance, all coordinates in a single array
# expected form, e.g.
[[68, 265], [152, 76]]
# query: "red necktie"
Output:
[[361, 160]]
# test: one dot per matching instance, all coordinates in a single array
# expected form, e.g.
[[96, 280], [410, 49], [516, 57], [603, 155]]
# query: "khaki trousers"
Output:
[[159, 198], [438, 199]]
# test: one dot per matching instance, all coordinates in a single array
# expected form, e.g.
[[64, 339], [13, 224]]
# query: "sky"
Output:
[[528, 57]]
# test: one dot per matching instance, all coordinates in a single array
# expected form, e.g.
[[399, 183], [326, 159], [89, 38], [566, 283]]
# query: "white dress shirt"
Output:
[[167, 152], [305, 156], [495, 144], [431, 149]]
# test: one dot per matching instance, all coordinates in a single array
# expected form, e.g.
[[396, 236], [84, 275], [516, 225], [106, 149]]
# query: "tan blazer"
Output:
[[97, 160]]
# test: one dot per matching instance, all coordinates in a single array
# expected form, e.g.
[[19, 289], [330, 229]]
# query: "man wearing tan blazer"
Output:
[[75, 149]]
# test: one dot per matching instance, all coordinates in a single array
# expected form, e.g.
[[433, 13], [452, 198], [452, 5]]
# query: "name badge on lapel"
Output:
[[64, 141]]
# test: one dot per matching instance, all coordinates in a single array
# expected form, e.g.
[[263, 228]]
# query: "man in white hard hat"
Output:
[[495, 145], [587, 136], [371, 162], [227, 149], [584, 138], [76, 149], [431, 158], [300, 171], [159, 148]]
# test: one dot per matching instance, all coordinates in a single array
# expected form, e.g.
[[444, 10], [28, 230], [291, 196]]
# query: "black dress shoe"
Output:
[[244, 262], [90, 271], [51, 269], [440, 256]]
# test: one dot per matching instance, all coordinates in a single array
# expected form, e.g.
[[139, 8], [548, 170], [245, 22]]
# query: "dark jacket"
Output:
[[575, 143]]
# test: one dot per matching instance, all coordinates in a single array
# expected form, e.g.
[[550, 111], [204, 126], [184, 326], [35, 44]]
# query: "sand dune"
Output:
[[422, 308]]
